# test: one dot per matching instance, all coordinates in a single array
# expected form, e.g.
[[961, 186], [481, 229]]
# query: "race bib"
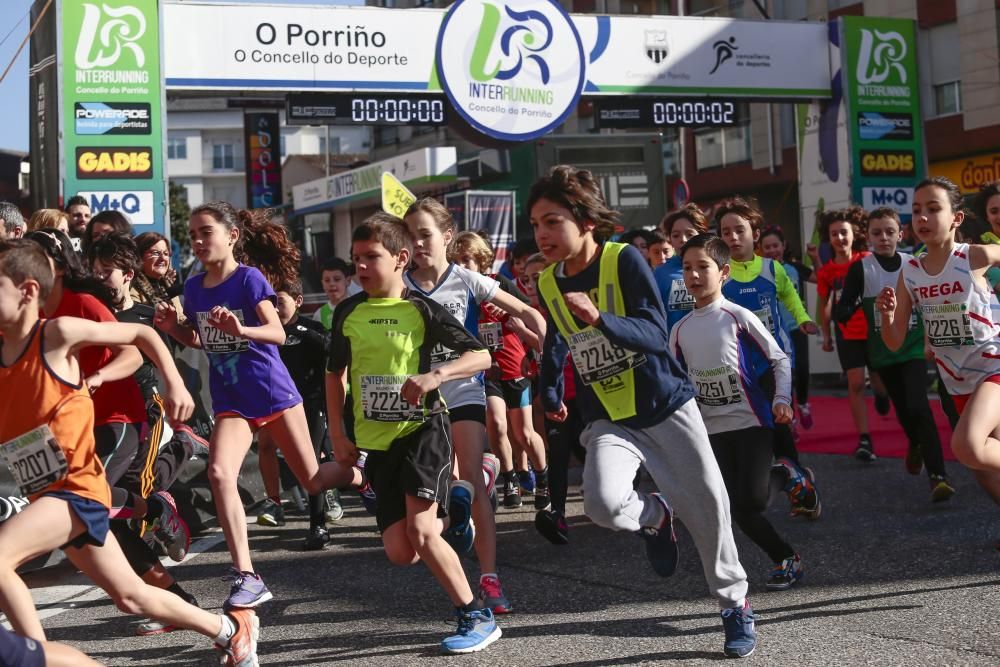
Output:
[[766, 318], [441, 354], [35, 459], [218, 341], [491, 335], [381, 400], [680, 298], [596, 358], [717, 386], [947, 324]]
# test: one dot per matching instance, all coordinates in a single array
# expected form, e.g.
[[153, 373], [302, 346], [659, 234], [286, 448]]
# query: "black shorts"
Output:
[[418, 465], [470, 412], [851, 353], [515, 393], [16, 650]]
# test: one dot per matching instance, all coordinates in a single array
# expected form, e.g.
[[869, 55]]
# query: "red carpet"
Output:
[[833, 429]]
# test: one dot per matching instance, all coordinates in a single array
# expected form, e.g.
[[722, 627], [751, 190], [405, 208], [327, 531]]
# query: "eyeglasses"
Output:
[[157, 254]]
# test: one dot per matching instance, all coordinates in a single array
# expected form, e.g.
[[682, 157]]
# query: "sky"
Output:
[[14, 88]]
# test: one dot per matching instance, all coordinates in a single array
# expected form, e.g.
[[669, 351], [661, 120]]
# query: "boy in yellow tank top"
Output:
[[47, 440]]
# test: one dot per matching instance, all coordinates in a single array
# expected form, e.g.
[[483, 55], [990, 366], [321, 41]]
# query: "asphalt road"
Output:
[[890, 580]]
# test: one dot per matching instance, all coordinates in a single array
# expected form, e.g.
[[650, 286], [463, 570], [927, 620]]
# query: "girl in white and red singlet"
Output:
[[960, 315]]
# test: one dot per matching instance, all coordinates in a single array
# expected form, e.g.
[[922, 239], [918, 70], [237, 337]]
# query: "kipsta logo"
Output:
[[513, 70], [879, 56], [107, 32], [657, 48], [724, 50]]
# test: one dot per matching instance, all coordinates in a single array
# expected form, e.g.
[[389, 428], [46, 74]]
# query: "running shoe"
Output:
[[882, 404], [800, 488], [317, 540], [333, 510], [271, 514], [552, 526], [526, 478], [491, 594], [491, 469], [460, 533], [511, 495], [476, 630], [661, 542], [193, 442], [148, 627], [542, 499], [248, 590], [366, 491], [741, 635], [170, 530], [865, 451], [805, 416], [242, 648], [785, 574], [914, 459], [941, 490]]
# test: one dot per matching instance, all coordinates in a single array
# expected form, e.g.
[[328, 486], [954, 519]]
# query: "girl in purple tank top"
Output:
[[230, 311]]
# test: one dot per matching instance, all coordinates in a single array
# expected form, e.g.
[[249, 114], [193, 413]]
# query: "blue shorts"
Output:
[[93, 514], [16, 650]]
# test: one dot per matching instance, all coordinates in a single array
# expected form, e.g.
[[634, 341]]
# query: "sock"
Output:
[[509, 477], [176, 589], [484, 575], [472, 606], [154, 509], [542, 477], [653, 513], [227, 632]]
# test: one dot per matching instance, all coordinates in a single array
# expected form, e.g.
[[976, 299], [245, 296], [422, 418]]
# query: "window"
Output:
[[177, 148], [947, 98], [334, 147], [724, 146], [282, 145], [223, 156]]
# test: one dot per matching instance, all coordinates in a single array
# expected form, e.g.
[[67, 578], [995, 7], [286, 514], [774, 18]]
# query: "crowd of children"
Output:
[[441, 390]]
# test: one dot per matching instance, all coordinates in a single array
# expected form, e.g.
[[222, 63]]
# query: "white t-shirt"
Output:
[[726, 349], [461, 292]]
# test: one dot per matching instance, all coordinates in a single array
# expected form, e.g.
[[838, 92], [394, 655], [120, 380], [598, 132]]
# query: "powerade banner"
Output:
[[112, 115], [883, 111], [262, 139]]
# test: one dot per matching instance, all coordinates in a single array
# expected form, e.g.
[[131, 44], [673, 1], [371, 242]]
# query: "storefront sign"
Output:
[[112, 113], [970, 173], [261, 134]]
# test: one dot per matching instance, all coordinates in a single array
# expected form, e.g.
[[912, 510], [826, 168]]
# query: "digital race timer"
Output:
[[366, 109], [638, 112]]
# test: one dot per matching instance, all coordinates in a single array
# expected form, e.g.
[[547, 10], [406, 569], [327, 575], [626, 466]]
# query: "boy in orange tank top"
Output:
[[46, 438]]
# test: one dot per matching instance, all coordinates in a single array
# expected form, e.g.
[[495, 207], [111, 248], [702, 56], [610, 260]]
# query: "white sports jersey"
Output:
[[726, 350], [960, 318], [461, 292]]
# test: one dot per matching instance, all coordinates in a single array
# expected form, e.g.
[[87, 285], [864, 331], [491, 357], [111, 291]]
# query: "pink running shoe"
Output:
[[170, 530]]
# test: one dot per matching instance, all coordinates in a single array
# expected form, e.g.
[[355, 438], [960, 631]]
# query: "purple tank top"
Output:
[[247, 378]]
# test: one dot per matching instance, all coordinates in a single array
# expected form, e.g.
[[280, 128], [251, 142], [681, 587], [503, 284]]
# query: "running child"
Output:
[[960, 314], [637, 400], [508, 392], [304, 355], [903, 371], [659, 249], [382, 340], [680, 227], [337, 285], [726, 351], [461, 292], [773, 246], [760, 285], [230, 311], [47, 431], [845, 230]]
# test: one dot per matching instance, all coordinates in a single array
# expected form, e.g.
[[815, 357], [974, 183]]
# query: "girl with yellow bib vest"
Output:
[[604, 309]]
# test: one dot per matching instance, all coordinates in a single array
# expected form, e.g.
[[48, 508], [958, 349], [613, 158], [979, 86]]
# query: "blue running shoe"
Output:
[[460, 533], [526, 478], [741, 635], [661, 542], [247, 592], [785, 574], [800, 487], [476, 630]]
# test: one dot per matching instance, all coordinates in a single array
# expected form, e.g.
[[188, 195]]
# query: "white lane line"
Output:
[[63, 597]]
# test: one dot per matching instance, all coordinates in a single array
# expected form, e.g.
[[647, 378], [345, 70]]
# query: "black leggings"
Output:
[[906, 383], [317, 433], [800, 374], [564, 441], [744, 458]]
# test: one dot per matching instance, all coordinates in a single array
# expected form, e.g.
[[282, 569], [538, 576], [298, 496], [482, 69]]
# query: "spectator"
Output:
[[79, 215], [49, 218], [157, 281], [12, 226], [103, 223]]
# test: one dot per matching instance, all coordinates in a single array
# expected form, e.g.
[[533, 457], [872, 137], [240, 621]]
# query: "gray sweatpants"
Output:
[[676, 452]]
